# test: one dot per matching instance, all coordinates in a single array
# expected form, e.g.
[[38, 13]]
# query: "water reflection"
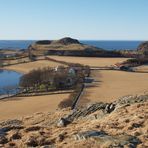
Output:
[[9, 81]]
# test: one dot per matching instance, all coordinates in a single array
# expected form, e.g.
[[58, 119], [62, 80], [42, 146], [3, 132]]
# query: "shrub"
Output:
[[69, 102]]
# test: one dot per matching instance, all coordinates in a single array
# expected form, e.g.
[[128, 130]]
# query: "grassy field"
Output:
[[26, 67], [18, 107], [110, 85], [91, 61]]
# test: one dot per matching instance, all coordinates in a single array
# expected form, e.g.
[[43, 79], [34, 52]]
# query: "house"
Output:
[[88, 80], [64, 76]]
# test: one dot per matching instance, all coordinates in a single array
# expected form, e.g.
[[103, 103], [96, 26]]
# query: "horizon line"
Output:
[[76, 38]]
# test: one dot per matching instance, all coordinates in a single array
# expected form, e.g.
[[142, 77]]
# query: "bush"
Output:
[[69, 102]]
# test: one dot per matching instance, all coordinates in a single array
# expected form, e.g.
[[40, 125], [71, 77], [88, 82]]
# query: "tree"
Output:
[[11, 89], [1, 63]]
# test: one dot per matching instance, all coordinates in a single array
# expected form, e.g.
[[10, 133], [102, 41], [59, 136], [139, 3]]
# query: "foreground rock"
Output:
[[106, 140], [122, 123]]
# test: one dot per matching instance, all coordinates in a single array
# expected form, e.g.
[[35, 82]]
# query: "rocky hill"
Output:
[[123, 123], [69, 47], [143, 48]]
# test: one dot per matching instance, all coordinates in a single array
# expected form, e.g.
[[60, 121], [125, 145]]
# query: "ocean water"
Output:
[[115, 45], [108, 45], [15, 44]]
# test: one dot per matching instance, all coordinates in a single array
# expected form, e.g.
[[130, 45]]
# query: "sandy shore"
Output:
[[91, 61], [18, 107], [111, 85]]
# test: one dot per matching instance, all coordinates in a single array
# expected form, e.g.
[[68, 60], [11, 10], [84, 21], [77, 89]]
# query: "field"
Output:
[[18, 107], [143, 68], [91, 61], [26, 67], [110, 85]]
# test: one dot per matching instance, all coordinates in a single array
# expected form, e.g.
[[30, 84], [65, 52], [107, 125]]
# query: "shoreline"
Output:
[[17, 71]]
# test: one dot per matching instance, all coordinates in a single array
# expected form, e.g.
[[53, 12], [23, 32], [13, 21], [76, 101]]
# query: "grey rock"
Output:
[[11, 123], [103, 138], [62, 122], [88, 134], [128, 100], [109, 108]]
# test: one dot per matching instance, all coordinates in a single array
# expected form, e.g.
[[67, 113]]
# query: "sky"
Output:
[[80, 19]]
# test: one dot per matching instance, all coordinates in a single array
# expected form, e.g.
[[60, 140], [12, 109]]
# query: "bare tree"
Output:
[[11, 89]]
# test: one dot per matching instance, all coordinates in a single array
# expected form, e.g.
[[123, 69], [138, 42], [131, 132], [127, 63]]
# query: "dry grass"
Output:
[[120, 122], [111, 85], [18, 107], [26, 67], [143, 68], [60, 47], [91, 61]]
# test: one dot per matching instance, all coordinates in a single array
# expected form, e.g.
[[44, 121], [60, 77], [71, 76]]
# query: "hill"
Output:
[[143, 48], [122, 123], [68, 47]]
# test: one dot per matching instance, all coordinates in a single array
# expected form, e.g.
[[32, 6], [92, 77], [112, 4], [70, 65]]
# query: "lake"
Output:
[[8, 81]]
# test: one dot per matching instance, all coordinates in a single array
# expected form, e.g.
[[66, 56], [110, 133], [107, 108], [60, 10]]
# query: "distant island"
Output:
[[69, 47]]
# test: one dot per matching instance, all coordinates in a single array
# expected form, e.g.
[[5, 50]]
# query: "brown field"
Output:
[[143, 68], [111, 85], [91, 61], [15, 61], [26, 67], [18, 107]]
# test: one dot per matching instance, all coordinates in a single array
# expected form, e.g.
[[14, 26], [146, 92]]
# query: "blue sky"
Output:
[[81, 19]]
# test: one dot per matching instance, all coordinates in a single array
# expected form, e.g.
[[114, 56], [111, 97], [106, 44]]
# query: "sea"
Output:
[[108, 45]]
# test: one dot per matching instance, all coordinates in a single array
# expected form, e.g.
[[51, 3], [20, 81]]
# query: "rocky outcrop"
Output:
[[122, 123], [143, 48], [67, 41], [106, 108], [63, 41], [106, 140]]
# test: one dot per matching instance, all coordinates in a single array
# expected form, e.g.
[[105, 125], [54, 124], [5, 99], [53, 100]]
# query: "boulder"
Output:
[[89, 134], [62, 122], [109, 108]]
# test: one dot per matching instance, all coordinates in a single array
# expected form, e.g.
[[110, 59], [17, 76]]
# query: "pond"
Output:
[[9, 81]]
